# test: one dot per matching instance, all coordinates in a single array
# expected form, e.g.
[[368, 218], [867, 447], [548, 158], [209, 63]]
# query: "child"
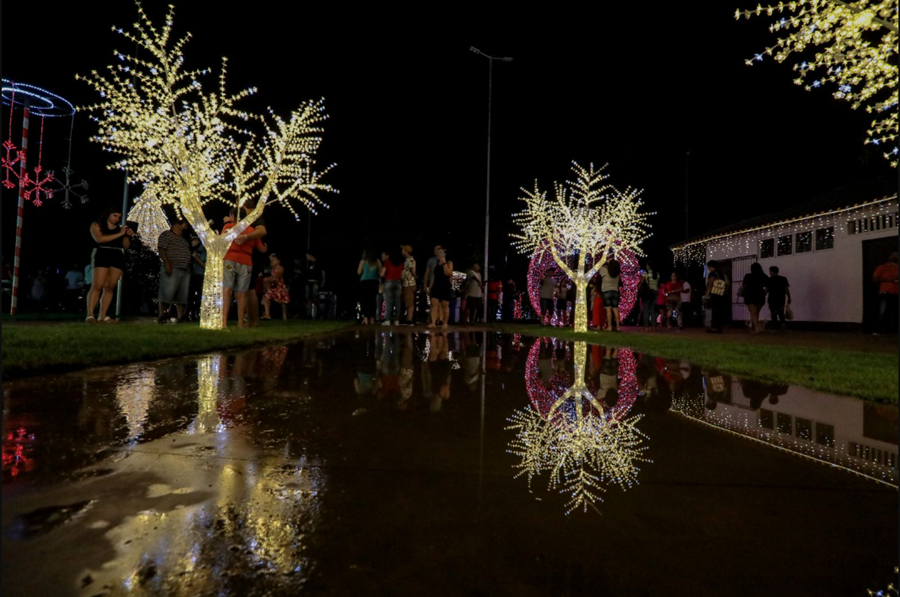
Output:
[[276, 290]]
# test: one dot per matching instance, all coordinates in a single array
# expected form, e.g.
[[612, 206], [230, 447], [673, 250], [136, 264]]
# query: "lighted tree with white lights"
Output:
[[587, 220], [189, 146], [855, 52]]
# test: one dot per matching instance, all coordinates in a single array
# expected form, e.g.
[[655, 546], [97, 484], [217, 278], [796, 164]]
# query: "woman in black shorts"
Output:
[[107, 261], [440, 291]]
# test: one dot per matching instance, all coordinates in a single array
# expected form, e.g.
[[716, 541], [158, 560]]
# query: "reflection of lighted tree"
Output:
[[208, 371], [134, 392], [574, 436]]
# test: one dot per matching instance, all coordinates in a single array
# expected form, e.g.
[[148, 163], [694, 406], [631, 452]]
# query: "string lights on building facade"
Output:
[[189, 147], [586, 217], [855, 52], [744, 242], [573, 435]]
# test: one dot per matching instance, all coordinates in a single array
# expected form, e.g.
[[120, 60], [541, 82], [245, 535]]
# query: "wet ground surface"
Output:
[[448, 464]]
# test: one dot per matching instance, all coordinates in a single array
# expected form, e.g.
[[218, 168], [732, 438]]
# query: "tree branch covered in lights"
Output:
[[189, 146], [858, 42], [586, 217]]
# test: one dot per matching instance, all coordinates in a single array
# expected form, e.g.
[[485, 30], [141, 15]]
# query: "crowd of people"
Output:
[[394, 289]]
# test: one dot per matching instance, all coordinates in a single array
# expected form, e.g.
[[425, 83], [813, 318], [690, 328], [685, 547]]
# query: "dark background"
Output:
[[407, 100]]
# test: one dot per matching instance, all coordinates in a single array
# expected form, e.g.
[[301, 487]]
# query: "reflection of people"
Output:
[[439, 366], [609, 377], [886, 276], [107, 261], [718, 389]]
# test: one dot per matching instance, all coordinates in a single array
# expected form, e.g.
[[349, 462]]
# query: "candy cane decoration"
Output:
[[20, 212]]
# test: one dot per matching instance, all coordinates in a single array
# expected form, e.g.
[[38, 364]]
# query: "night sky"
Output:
[[407, 102]]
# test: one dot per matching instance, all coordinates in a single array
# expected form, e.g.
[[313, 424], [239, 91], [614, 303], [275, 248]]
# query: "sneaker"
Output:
[[386, 322], [173, 320], [396, 322]]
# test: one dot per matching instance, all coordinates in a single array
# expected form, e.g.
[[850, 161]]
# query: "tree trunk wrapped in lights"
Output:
[[586, 220], [189, 147]]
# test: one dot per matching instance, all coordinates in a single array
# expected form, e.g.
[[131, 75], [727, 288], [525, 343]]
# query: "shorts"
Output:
[[312, 291], [108, 257], [546, 305], [236, 276], [611, 299], [561, 304], [173, 288]]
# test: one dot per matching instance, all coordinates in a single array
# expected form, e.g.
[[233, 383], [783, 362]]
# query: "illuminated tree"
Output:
[[856, 51], [189, 147], [587, 220], [573, 436]]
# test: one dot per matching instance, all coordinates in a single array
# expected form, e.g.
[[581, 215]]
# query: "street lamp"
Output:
[[487, 205]]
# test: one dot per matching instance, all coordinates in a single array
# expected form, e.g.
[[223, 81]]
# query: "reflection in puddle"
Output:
[[852, 435], [578, 432]]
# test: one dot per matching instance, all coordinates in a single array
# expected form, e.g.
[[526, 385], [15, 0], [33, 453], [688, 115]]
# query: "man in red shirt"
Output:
[[238, 266], [886, 275]]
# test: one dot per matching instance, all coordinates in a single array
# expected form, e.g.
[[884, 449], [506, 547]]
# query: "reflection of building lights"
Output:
[[586, 218], [571, 434], [692, 408]]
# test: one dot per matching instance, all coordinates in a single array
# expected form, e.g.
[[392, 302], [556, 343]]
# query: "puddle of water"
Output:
[[353, 464]]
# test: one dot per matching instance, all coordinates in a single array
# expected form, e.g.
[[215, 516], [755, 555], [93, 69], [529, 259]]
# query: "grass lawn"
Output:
[[847, 372], [41, 348]]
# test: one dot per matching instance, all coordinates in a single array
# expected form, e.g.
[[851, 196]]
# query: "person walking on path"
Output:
[[716, 285], [753, 289], [611, 276], [547, 291], [175, 273], [237, 271], [368, 269], [276, 289], [392, 274], [649, 290], [886, 276], [440, 291], [107, 261], [474, 293], [409, 283], [313, 284], [779, 292], [672, 291]]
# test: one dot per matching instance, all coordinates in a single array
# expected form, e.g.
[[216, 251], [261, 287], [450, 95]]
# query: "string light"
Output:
[[571, 434], [151, 220], [587, 217], [856, 52], [746, 241], [188, 146]]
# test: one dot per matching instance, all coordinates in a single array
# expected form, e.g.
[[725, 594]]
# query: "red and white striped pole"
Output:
[[20, 213]]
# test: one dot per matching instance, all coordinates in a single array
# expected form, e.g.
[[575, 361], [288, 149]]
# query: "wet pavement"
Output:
[[375, 463]]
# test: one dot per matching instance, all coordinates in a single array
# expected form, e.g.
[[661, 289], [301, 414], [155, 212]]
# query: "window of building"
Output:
[[767, 248], [804, 428], [784, 423], [824, 434], [804, 242], [825, 238], [766, 418], [785, 245]]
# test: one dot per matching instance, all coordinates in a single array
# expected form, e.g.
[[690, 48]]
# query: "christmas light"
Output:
[[586, 220], [151, 220], [189, 147], [739, 243], [856, 51], [573, 435]]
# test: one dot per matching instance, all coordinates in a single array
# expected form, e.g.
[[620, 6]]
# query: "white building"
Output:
[[828, 250]]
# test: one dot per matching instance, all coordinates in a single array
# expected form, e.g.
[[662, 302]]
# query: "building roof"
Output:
[[844, 197]]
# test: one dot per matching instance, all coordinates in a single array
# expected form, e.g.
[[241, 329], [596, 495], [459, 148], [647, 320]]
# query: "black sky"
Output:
[[628, 85]]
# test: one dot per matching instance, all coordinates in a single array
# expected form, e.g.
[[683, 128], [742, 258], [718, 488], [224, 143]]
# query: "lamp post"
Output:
[[487, 204]]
